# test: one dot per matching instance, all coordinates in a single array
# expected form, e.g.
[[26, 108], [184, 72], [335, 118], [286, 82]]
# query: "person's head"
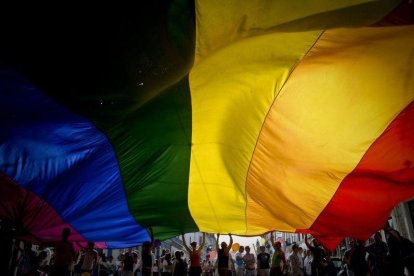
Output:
[[316, 243], [91, 245], [194, 245], [278, 246], [295, 248], [65, 233], [167, 257], [308, 253], [223, 245], [262, 248], [247, 248], [177, 255], [300, 250], [147, 247], [360, 242], [207, 256], [241, 249]]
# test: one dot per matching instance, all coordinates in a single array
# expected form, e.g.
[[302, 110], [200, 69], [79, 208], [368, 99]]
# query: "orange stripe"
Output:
[[336, 103], [384, 177]]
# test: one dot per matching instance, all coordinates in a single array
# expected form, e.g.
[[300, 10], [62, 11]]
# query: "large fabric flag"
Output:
[[238, 117]]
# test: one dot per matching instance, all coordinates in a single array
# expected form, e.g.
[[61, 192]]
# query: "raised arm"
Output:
[[185, 244], [272, 239], [230, 244], [203, 242], [217, 242], [306, 242]]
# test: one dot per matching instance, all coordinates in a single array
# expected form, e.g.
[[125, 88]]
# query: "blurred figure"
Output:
[[358, 263], [167, 264], [377, 260], [128, 268], [399, 248], [208, 266], [394, 245], [179, 268], [120, 263], [28, 261], [64, 255], [232, 268], [263, 262], [41, 267], [346, 271], [46, 262], [103, 266], [147, 259], [155, 268], [137, 263], [319, 256], [295, 262], [278, 258], [307, 263], [408, 264], [239, 261], [330, 269], [249, 261], [223, 256], [90, 259], [195, 255], [301, 255], [111, 266]]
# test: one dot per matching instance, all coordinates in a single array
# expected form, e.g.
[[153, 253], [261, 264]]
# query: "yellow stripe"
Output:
[[339, 99], [231, 93], [220, 23], [241, 63]]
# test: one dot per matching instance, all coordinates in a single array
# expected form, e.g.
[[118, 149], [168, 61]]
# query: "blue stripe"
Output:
[[65, 160]]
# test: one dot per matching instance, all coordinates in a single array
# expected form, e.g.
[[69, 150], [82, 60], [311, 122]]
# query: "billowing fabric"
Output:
[[235, 117], [61, 157]]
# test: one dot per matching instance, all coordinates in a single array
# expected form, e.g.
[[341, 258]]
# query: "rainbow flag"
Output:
[[238, 117]]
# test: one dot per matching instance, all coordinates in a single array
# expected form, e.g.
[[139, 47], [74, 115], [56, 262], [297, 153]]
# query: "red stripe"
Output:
[[383, 178], [401, 15], [35, 219]]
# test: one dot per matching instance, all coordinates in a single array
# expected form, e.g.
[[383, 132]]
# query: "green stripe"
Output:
[[153, 141], [153, 146]]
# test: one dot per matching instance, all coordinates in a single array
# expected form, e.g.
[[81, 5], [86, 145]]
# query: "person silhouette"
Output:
[[64, 255]]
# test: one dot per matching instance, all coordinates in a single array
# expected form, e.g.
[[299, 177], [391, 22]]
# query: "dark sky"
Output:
[[75, 50]]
